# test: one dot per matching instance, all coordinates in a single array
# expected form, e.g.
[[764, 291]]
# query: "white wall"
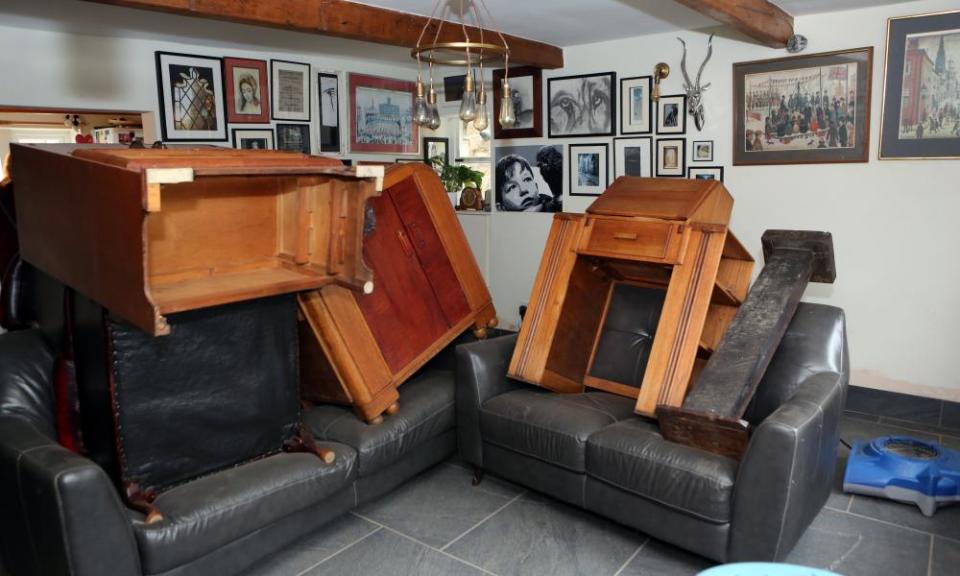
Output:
[[893, 222]]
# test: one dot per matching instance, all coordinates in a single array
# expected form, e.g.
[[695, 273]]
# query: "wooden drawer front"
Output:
[[638, 240]]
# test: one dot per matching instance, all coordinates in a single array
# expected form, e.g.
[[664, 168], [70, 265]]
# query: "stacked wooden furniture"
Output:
[[357, 348], [667, 234], [148, 232]]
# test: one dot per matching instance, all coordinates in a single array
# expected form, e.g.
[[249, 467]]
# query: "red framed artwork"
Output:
[[381, 115], [248, 99]]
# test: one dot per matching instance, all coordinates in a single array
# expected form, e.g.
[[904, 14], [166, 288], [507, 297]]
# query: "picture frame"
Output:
[[919, 49], [253, 139], [529, 178], [433, 147], [672, 114], [588, 169], [671, 157], [290, 90], [705, 172], [636, 106], [633, 156], [453, 87], [702, 151], [328, 105], [293, 138], [779, 116], [582, 106], [376, 102], [408, 161], [526, 83], [247, 89], [192, 104]]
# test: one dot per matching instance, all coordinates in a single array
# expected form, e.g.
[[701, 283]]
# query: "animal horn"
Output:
[[683, 64], [705, 60]]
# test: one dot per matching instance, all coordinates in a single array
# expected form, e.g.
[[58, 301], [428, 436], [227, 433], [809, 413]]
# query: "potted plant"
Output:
[[456, 177]]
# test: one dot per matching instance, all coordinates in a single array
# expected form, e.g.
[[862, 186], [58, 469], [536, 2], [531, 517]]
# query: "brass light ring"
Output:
[[479, 52]]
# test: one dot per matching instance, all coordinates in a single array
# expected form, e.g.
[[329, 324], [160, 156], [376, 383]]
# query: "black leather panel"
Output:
[[220, 389], [815, 341], [426, 410], [26, 372], [547, 478], [11, 293], [632, 456], [627, 334], [207, 513], [424, 456], [548, 426]]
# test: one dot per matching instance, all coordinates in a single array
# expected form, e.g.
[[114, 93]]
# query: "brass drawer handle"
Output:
[[625, 235]]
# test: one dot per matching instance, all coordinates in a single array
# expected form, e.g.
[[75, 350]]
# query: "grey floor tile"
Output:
[[952, 442], [913, 426], [861, 416], [893, 405], [838, 498], [389, 554], [852, 429], [945, 522], [536, 536], [946, 558], [855, 546], [440, 505], [315, 548], [660, 559]]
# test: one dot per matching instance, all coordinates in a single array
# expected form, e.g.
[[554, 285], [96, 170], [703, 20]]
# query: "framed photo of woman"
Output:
[[248, 98]]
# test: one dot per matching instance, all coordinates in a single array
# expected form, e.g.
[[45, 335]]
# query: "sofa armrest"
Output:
[[61, 514], [787, 472], [481, 375]]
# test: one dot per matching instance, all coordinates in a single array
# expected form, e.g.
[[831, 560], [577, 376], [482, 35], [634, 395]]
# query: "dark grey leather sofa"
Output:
[[590, 449]]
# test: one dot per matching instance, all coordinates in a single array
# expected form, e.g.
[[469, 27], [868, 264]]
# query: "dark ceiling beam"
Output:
[[758, 19]]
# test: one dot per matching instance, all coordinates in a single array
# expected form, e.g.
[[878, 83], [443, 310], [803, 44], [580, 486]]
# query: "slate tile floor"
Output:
[[438, 524]]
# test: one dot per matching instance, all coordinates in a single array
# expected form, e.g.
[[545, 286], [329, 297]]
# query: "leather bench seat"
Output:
[[632, 455], [208, 513]]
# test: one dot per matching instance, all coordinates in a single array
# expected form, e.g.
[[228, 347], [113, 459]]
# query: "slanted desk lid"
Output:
[[666, 198]]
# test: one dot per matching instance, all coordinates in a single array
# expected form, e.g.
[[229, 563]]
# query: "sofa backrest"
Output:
[[26, 371], [627, 334]]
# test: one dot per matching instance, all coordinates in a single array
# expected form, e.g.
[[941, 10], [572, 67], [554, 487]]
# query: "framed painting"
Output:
[[248, 99], [671, 157], [636, 107], [921, 102], [805, 109], [582, 105], [253, 139], [293, 137], [529, 178], [633, 156], [381, 115], [702, 151], [436, 148], [191, 98], [588, 169], [526, 91], [328, 89], [705, 173], [290, 84], [672, 114]]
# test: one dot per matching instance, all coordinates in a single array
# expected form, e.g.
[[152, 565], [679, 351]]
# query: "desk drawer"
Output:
[[647, 240]]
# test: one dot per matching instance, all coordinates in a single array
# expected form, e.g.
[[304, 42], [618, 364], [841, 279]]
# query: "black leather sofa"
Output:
[[591, 451]]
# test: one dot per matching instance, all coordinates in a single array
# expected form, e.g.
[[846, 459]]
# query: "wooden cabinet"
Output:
[[428, 291], [667, 234]]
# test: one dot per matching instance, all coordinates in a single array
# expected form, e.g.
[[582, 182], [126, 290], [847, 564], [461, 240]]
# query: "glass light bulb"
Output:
[[434, 117], [421, 111], [468, 106], [508, 116], [481, 121]]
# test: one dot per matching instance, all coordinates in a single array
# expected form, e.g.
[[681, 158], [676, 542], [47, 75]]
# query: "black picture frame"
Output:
[[717, 170], [693, 151], [620, 165], [453, 87], [435, 140], [566, 99], [287, 143], [276, 102], [627, 127], [168, 128], [603, 169], [680, 100], [681, 170], [240, 134], [329, 131], [536, 76]]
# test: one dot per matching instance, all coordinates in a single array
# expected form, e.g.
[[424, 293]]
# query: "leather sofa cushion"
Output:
[[207, 513], [26, 369], [426, 410], [548, 426], [627, 334], [633, 456]]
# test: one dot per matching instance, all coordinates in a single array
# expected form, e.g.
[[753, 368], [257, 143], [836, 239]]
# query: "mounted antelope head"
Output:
[[693, 89]]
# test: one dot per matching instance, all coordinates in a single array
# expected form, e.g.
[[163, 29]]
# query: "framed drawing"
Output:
[[290, 83], [253, 139], [381, 115], [671, 157], [582, 105], [636, 107], [248, 100], [191, 98], [705, 172], [328, 88], [921, 102], [526, 91], [702, 151], [293, 137], [588, 169], [529, 178], [803, 109], [632, 156], [672, 114], [436, 148]]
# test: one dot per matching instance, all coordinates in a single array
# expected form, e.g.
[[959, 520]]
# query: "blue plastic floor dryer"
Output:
[[904, 469]]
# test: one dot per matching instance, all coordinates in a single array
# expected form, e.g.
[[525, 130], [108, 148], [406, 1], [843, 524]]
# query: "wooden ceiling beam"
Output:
[[758, 19], [344, 19]]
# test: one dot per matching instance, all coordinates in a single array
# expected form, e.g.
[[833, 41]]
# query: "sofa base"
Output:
[[560, 483], [426, 455]]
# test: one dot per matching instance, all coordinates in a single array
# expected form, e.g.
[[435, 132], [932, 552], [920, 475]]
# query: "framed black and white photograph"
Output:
[[672, 114], [381, 115], [436, 149], [702, 151], [290, 95], [633, 157], [582, 105], [526, 92], [588, 169], [705, 173], [328, 87], [409, 161], [293, 137], [191, 98], [253, 138], [529, 178], [636, 106], [671, 157]]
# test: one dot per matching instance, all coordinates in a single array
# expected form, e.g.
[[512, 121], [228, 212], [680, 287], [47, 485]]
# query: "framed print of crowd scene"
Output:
[[526, 91], [328, 89], [291, 90], [921, 94], [191, 98], [803, 109], [588, 169], [248, 100], [529, 178], [381, 115], [582, 105]]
